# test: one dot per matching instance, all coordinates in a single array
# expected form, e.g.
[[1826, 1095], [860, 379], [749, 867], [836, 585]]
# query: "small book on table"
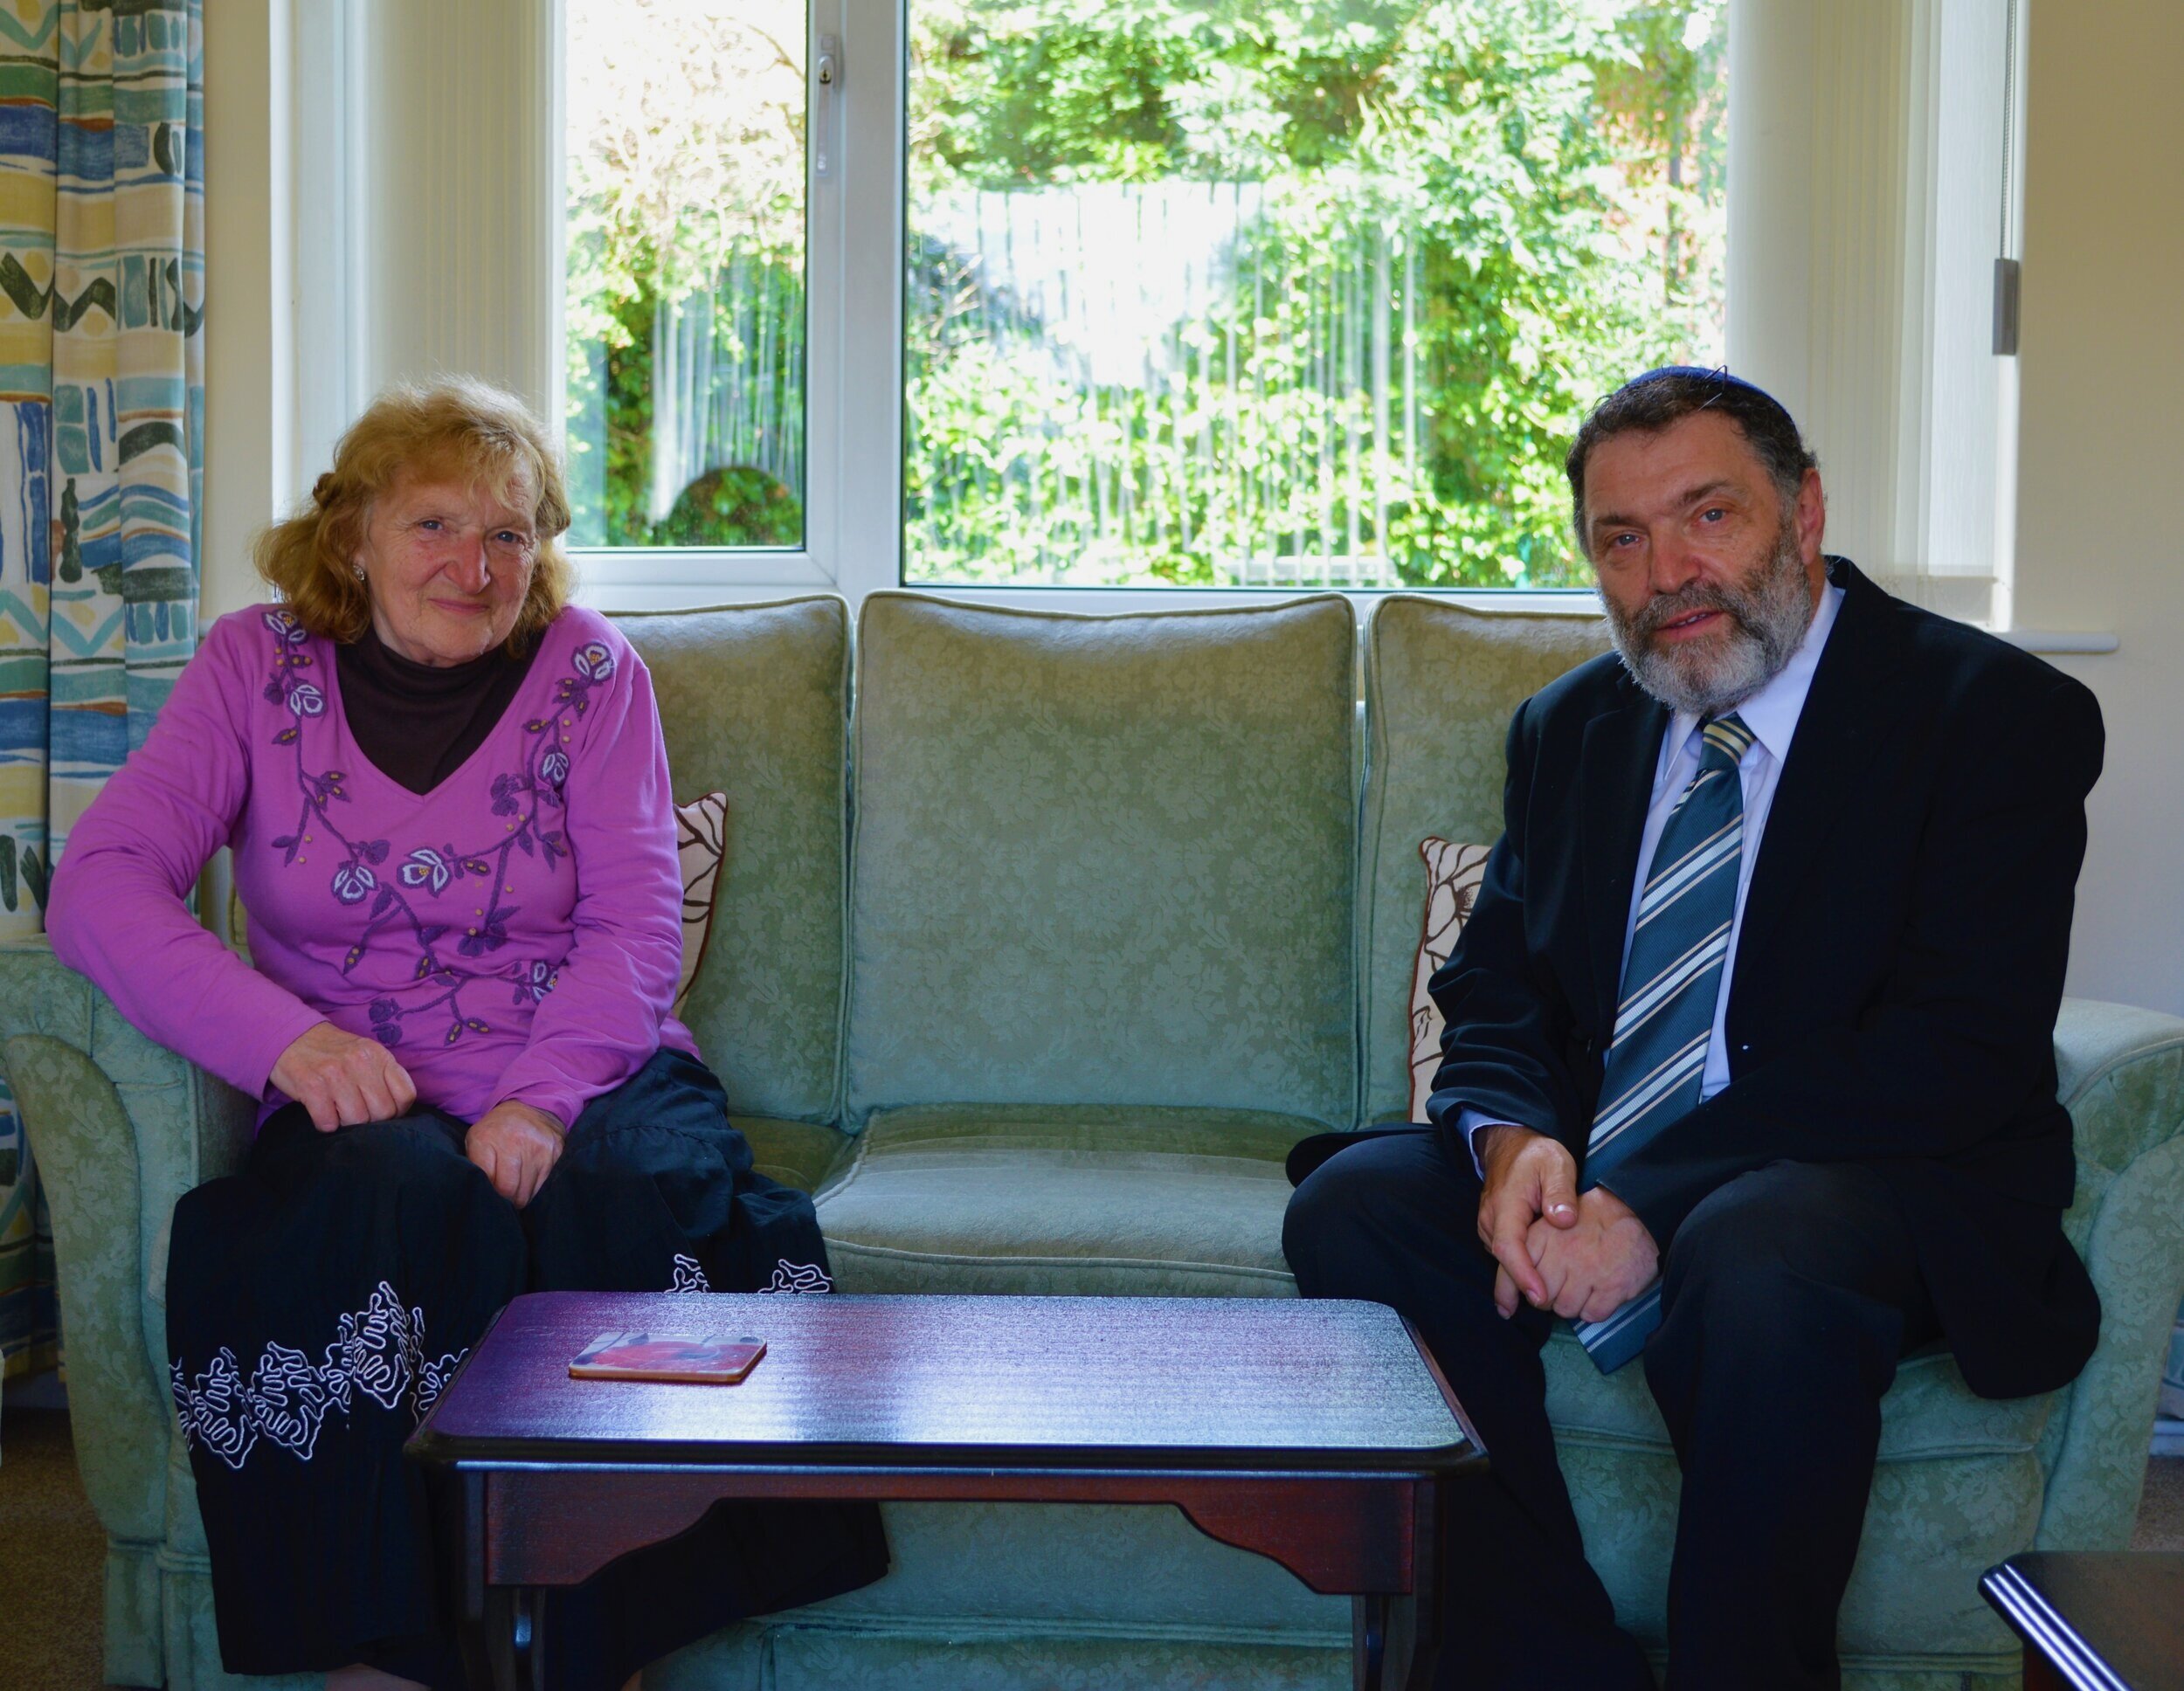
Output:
[[689, 1358]]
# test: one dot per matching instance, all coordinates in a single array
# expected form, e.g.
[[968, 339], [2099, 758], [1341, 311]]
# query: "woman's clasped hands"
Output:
[[344, 1079]]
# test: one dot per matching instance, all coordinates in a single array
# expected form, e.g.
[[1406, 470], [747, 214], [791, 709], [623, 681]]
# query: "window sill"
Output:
[[2053, 642], [615, 579]]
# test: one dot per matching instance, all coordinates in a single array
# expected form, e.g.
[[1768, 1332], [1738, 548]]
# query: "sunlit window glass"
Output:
[[685, 311], [1278, 292]]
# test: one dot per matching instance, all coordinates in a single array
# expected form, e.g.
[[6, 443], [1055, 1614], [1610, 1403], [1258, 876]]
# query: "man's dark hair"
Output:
[[1652, 402]]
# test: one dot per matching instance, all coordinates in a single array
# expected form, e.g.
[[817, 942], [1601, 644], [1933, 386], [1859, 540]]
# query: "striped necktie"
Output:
[[1656, 1060]]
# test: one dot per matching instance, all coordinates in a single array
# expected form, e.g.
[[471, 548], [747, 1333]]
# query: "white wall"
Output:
[[2102, 393], [245, 289], [458, 291], [454, 187], [2101, 451]]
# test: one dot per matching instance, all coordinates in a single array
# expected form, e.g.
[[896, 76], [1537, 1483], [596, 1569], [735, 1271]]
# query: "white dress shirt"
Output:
[[1771, 714]]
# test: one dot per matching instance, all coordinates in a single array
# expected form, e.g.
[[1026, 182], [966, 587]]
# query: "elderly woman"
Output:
[[447, 798]]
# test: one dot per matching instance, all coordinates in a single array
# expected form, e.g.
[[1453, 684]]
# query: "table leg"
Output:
[[1423, 1611], [1396, 1636], [1368, 1640], [515, 1637], [2040, 1673]]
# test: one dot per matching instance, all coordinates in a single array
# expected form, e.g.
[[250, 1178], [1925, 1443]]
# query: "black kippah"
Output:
[[1719, 376]]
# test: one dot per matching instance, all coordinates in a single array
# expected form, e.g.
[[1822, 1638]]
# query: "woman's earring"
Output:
[[357, 570]]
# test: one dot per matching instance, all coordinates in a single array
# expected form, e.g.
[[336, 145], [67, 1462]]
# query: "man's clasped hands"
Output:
[[1581, 1254]]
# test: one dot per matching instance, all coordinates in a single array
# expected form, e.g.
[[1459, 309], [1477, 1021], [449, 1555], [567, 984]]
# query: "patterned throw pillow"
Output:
[[1452, 874], [702, 838]]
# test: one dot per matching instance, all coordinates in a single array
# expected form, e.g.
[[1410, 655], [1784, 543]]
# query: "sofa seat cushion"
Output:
[[1929, 1412], [800, 1154], [1064, 1200]]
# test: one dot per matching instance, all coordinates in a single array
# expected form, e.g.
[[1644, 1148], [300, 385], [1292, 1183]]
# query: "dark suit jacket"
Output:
[[1893, 995]]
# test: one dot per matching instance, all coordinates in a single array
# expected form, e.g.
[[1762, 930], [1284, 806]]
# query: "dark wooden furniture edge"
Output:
[[427, 1445], [2056, 1659], [1337, 1532], [1441, 1384], [1364, 1522]]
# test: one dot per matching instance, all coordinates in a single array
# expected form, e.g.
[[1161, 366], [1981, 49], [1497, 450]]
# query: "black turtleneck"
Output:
[[418, 723]]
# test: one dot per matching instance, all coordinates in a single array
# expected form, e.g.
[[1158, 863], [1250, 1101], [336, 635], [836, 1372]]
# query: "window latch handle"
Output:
[[826, 72]]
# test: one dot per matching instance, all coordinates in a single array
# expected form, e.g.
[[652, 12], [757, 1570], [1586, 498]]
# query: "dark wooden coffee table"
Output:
[[2095, 1620], [1315, 1433]]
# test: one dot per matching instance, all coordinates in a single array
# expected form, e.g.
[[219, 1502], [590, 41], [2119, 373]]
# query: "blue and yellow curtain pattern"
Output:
[[102, 459]]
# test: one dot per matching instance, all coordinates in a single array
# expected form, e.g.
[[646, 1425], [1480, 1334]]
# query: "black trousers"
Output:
[[319, 1301], [1788, 1297]]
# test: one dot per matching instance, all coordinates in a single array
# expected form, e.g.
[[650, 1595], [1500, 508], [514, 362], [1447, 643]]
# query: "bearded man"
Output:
[[1748, 1070]]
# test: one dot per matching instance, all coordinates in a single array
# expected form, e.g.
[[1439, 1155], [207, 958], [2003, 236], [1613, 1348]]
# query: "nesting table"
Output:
[[1316, 1432], [2094, 1620]]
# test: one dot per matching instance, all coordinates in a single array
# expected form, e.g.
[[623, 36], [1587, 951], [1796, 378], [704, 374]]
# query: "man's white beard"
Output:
[[1767, 625]]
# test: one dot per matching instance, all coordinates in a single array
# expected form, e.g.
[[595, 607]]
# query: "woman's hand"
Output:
[[517, 1147], [342, 1079]]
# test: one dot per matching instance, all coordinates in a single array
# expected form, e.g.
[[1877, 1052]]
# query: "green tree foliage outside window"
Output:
[[684, 291], [1383, 256]]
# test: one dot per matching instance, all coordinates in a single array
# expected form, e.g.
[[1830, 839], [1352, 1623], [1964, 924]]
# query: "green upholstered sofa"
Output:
[[1033, 968]]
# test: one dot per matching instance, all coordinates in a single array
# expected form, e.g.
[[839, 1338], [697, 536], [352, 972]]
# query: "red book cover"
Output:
[[681, 1357]]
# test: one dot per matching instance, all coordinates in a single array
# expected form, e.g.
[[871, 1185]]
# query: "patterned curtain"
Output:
[[101, 459]]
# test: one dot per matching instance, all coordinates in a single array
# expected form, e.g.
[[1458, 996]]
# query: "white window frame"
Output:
[[853, 348], [854, 212], [1788, 310]]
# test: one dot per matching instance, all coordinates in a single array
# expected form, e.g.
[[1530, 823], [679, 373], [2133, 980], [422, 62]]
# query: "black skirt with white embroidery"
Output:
[[319, 1301]]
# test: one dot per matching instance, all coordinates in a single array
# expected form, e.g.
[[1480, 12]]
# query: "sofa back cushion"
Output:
[[1103, 859], [754, 703], [1441, 683]]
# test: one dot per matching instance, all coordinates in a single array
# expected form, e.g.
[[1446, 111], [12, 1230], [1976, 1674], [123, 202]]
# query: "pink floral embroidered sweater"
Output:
[[513, 934]]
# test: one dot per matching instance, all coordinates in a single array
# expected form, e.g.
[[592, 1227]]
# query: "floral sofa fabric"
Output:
[[1032, 967]]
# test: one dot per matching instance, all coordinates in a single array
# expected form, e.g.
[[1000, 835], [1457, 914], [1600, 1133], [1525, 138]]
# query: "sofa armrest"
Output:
[[2122, 1072], [119, 1128], [2093, 1039]]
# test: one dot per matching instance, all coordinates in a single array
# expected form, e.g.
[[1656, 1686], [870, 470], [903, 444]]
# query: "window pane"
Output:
[[685, 286], [1250, 292]]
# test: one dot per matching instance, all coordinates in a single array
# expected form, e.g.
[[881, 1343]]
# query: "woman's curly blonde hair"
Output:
[[460, 427]]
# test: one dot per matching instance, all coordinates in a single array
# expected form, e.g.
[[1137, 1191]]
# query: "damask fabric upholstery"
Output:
[[1078, 1565], [123, 1128], [830, 1661], [1913, 1601], [1441, 683], [1927, 1413], [1064, 1199], [2122, 1074], [1023, 1594], [1958, 1489], [799, 1154], [1012, 1594], [102, 453], [754, 703], [1103, 859]]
